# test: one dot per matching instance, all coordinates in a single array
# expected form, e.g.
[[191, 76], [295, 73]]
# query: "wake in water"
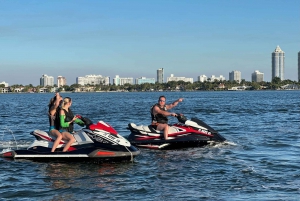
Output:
[[14, 144], [222, 144], [9, 141]]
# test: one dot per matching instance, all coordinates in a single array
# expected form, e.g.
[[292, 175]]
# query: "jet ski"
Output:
[[95, 141], [183, 134]]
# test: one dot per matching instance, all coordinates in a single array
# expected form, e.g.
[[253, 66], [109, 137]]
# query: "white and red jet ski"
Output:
[[95, 141], [185, 133]]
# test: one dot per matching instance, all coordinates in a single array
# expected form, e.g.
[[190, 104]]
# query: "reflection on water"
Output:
[[75, 174]]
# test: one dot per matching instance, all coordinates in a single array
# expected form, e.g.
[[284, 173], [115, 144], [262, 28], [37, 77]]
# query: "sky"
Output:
[[134, 38]]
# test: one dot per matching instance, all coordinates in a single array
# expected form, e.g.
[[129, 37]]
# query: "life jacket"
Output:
[[159, 118], [68, 117]]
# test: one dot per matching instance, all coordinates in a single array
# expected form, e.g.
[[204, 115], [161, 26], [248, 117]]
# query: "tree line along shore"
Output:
[[275, 84]]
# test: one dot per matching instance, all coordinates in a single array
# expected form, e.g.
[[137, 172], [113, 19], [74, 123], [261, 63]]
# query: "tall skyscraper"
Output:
[[298, 66], [257, 76], [235, 76], [160, 75], [278, 63]]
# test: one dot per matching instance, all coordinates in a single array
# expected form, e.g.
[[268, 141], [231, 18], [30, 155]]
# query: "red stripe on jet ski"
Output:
[[8, 154], [105, 153]]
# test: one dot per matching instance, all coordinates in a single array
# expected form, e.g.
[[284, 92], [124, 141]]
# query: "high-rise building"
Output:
[[61, 81], [257, 76], [235, 76], [160, 75], [278, 63], [298, 66], [46, 80]]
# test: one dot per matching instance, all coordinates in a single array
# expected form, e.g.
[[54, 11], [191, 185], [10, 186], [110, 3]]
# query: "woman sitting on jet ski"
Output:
[[66, 122], [52, 112], [159, 114]]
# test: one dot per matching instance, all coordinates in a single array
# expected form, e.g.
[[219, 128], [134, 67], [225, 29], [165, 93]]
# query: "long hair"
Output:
[[52, 101]]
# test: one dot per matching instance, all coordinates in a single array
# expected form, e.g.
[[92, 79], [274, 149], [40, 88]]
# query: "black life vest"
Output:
[[68, 117], [159, 118]]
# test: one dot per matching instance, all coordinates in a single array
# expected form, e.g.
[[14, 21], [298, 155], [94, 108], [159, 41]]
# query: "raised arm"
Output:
[[175, 103]]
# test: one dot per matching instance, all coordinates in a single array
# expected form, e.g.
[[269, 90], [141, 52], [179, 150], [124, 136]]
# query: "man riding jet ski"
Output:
[[95, 141], [185, 133]]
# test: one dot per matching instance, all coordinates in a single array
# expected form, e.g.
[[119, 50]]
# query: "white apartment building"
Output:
[[257, 76], [92, 80], [235, 76], [46, 80], [121, 81], [61, 81], [202, 78], [220, 78], [172, 78]]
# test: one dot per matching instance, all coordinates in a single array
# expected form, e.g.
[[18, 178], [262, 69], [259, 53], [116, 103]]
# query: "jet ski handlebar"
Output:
[[85, 120], [181, 118]]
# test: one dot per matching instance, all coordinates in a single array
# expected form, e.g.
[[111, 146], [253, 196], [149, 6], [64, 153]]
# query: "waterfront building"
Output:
[[160, 75], [257, 76], [202, 78], [298, 66], [278, 63], [61, 81], [121, 81], [46, 80], [143, 80], [5, 84], [214, 78], [235, 76], [92, 80], [172, 78]]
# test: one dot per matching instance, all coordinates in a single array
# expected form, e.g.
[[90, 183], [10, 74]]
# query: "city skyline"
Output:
[[135, 38]]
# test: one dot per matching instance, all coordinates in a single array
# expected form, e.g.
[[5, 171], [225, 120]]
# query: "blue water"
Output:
[[259, 161]]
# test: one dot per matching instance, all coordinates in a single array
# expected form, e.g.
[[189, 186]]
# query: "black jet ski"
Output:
[[96, 141], [185, 133]]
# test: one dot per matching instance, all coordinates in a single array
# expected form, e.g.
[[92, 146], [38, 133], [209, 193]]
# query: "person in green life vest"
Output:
[[66, 122]]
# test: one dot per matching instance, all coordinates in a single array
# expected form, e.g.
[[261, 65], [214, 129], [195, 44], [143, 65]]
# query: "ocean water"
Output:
[[259, 161]]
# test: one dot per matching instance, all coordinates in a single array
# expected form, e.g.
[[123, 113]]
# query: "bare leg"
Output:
[[68, 137], [58, 136], [166, 132], [165, 128]]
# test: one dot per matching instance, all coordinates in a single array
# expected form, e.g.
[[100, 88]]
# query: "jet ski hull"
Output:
[[77, 155]]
